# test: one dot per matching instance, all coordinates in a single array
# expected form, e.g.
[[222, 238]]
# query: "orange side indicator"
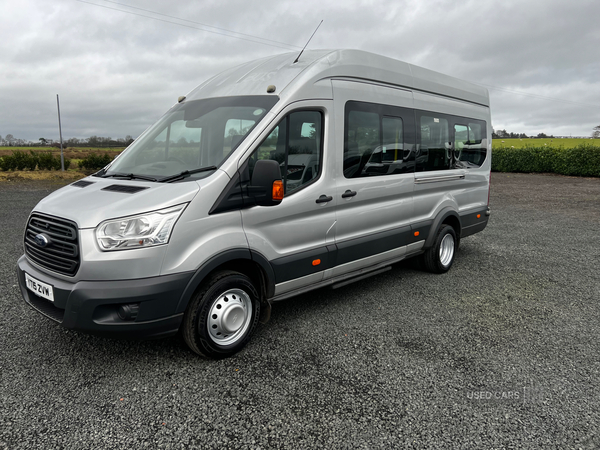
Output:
[[417, 233], [316, 262], [277, 190], [478, 216]]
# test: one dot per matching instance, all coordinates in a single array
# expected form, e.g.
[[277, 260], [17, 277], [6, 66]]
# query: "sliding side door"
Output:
[[375, 175]]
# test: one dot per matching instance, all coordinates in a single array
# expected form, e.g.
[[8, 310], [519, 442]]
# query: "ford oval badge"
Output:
[[41, 240]]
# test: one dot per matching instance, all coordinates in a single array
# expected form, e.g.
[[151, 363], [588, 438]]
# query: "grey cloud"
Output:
[[116, 72]]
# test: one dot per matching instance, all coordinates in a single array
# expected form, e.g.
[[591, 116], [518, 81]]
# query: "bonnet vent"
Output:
[[123, 188], [82, 183]]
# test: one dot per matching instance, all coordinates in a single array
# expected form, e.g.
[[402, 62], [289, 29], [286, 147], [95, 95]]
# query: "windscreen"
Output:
[[193, 135]]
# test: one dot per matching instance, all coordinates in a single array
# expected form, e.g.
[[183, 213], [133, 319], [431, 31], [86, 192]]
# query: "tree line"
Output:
[[98, 141], [93, 141], [503, 134]]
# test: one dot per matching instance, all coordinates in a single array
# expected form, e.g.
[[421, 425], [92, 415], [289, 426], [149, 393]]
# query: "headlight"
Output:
[[144, 230]]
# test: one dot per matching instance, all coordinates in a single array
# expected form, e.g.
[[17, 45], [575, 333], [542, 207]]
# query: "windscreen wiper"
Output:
[[186, 173], [129, 176]]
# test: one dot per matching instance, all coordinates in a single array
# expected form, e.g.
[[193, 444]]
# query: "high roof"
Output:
[[316, 66]]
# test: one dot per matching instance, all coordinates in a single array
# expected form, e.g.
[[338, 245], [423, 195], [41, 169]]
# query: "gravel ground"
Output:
[[501, 352]]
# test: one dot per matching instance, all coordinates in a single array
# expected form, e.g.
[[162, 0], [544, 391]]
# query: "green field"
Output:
[[566, 143]]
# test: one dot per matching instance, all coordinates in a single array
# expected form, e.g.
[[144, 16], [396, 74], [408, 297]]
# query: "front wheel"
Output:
[[439, 258], [222, 315]]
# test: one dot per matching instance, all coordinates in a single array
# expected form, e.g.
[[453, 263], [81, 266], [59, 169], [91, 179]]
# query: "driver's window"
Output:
[[295, 143]]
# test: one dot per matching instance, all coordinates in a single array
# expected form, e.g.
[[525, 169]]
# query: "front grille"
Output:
[[61, 254]]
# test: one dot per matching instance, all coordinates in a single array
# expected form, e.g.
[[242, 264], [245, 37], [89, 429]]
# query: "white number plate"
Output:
[[41, 289]]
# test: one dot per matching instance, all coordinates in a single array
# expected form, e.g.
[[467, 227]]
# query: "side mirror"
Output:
[[266, 186]]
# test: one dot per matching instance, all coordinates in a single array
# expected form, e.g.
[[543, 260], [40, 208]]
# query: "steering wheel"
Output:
[[174, 158]]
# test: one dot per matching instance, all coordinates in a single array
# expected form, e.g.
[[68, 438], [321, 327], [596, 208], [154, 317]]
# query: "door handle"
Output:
[[324, 198], [348, 194]]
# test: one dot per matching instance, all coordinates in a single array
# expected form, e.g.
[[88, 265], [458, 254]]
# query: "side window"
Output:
[[461, 139], [468, 149], [375, 141], [362, 138], [435, 147], [474, 152], [296, 144], [392, 148]]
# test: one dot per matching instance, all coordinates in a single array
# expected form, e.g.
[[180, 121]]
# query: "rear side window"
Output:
[[296, 144], [468, 148], [449, 142]]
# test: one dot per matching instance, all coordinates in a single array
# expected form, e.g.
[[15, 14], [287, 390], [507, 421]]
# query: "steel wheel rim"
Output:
[[447, 250], [229, 317]]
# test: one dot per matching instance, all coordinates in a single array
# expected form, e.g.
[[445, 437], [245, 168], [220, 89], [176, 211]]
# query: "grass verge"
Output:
[[46, 175]]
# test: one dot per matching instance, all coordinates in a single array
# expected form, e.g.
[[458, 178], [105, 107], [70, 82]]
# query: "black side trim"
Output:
[[301, 264], [470, 230], [124, 189], [469, 219], [423, 228], [472, 224], [363, 247]]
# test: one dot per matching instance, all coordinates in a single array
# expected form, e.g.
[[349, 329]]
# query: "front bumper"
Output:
[[92, 306]]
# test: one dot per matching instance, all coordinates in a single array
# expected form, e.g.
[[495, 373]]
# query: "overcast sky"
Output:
[[116, 72]]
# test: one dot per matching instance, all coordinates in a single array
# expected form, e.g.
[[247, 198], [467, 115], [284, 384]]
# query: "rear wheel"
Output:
[[222, 315], [439, 258]]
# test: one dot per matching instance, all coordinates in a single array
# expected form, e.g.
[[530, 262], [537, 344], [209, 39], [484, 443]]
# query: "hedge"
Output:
[[95, 161], [20, 161], [583, 160], [46, 161]]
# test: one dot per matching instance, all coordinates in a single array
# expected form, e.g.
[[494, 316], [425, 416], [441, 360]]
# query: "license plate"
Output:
[[39, 288]]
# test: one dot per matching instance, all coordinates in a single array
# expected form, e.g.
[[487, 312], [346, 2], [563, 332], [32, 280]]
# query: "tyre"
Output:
[[439, 258], [222, 315]]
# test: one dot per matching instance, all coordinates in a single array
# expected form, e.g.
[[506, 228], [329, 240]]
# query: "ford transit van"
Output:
[[267, 181]]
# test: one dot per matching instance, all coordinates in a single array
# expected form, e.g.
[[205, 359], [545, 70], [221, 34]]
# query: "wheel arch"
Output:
[[243, 260], [446, 216]]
